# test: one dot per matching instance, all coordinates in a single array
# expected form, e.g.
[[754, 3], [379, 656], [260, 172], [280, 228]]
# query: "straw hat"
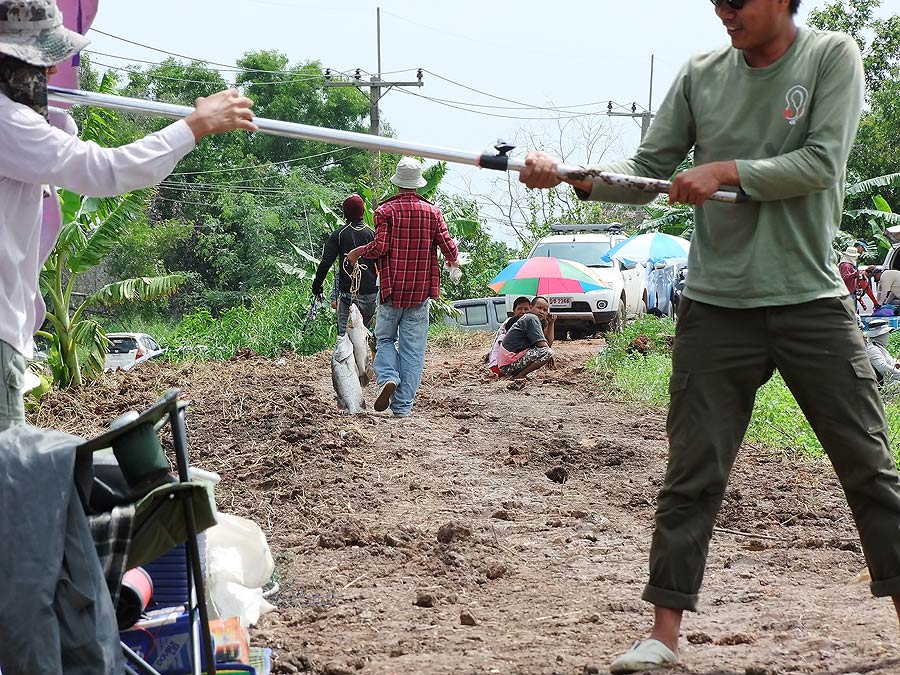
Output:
[[32, 31], [409, 174]]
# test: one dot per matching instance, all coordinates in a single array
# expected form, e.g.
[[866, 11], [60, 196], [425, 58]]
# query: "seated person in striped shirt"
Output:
[[526, 346]]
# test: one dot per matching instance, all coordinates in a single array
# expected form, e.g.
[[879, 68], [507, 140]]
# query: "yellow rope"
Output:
[[355, 279]]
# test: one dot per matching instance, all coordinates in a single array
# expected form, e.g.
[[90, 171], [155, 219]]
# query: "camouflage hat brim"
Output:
[[48, 48]]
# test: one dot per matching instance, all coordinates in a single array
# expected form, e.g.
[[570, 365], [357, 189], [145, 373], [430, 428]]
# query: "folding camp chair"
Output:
[[167, 511]]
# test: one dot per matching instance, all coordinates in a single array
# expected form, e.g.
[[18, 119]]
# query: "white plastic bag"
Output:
[[238, 564]]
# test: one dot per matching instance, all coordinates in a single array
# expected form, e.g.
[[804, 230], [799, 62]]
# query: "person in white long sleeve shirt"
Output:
[[34, 154], [885, 365]]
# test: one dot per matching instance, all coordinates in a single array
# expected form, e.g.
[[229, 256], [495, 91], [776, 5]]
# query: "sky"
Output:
[[535, 65]]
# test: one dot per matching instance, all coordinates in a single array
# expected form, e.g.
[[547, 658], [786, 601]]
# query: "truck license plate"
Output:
[[560, 303]]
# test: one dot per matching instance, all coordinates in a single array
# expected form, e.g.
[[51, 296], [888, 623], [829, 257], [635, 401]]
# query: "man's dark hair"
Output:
[[510, 322], [540, 297], [520, 300], [794, 6]]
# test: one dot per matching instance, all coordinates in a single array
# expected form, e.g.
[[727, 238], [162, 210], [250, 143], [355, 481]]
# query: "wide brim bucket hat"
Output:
[[409, 174], [878, 327], [33, 31], [850, 255]]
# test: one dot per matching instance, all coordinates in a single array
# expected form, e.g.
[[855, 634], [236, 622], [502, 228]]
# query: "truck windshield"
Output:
[[586, 252]]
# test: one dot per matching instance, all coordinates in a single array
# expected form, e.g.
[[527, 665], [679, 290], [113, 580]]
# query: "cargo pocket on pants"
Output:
[[14, 371], [678, 418], [678, 382], [868, 397]]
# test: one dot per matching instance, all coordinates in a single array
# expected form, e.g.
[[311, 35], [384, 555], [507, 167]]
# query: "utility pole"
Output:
[[646, 116], [377, 89]]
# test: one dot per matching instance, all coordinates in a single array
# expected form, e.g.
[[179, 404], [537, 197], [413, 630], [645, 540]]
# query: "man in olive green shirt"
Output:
[[774, 115]]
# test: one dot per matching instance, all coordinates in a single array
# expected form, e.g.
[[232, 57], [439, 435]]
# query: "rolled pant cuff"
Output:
[[662, 597], [885, 587]]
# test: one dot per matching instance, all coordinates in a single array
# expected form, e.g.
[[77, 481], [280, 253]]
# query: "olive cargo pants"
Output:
[[721, 357], [12, 382]]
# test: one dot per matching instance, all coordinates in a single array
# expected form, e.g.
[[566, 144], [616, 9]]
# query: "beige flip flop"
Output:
[[644, 655]]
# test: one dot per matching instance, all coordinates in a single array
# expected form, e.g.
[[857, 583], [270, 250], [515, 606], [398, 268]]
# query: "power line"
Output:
[[156, 49], [509, 100], [489, 114], [263, 166], [226, 66], [147, 73]]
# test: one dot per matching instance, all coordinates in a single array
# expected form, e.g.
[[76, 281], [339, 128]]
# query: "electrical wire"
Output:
[[527, 105], [224, 66], [489, 114], [263, 166], [350, 75], [185, 80]]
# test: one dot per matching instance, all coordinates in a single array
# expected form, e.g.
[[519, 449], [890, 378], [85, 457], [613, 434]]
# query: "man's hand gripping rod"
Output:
[[498, 162]]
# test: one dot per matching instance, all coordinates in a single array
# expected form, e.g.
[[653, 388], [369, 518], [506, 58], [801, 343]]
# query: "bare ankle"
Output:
[[667, 626]]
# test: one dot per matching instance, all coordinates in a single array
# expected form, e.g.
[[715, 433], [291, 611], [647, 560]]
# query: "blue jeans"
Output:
[[402, 334]]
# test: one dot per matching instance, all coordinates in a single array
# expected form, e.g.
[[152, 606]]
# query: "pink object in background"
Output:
[[78, 15]]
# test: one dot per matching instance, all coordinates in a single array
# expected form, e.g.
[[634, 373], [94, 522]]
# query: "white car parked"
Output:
[[126, 350], [584, 314]]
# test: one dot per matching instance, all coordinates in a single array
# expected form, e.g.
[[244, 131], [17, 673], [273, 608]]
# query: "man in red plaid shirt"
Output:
[[408, 230]]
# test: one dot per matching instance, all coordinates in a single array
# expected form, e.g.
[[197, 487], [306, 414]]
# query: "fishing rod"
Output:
[[501, 161]]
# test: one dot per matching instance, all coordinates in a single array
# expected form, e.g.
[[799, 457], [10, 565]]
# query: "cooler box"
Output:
[[163, 640], [169, 574], [893, 321]]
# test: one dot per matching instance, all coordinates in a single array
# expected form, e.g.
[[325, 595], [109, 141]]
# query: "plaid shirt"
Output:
[[407, 227]]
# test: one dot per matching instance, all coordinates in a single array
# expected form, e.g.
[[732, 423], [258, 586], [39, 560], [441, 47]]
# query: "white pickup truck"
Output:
[[584, 314]]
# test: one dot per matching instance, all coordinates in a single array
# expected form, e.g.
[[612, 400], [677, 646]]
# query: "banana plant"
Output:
[[91, 229], [881, 216]]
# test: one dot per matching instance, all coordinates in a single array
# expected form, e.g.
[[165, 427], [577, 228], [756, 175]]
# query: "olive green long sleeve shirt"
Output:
[[789, 127]]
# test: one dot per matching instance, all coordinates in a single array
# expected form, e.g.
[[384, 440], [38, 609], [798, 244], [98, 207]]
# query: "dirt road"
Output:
[[438, 543]]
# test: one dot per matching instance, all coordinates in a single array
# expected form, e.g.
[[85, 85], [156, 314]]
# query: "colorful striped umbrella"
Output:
[[651, 247], [544, 276]]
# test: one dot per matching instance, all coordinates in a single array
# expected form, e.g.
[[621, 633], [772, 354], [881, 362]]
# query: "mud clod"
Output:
[[453, 531], [558, 474]]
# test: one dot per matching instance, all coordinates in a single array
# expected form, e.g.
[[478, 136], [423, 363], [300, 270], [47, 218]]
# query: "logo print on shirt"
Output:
[[796, 99]]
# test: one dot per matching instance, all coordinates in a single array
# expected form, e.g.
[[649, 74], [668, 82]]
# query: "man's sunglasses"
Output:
[[734, 4]]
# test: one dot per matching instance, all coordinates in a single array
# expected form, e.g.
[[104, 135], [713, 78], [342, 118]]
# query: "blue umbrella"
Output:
[[652, 247]]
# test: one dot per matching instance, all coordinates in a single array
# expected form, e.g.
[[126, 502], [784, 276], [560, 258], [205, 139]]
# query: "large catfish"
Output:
[[345, 378], [359, 336]]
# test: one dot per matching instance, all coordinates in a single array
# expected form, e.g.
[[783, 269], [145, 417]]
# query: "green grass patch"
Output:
[[777, 420], [453, 337], [269, 325]]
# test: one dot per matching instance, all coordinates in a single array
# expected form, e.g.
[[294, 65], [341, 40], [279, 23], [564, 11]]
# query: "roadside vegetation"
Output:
[[219, 256], [777, 420]]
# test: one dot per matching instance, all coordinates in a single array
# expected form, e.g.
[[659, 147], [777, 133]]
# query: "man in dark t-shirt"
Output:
[[343, 240], [526, 346]]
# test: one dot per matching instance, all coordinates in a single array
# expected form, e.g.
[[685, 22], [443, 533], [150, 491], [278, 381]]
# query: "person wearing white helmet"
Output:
[[34, 154]]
